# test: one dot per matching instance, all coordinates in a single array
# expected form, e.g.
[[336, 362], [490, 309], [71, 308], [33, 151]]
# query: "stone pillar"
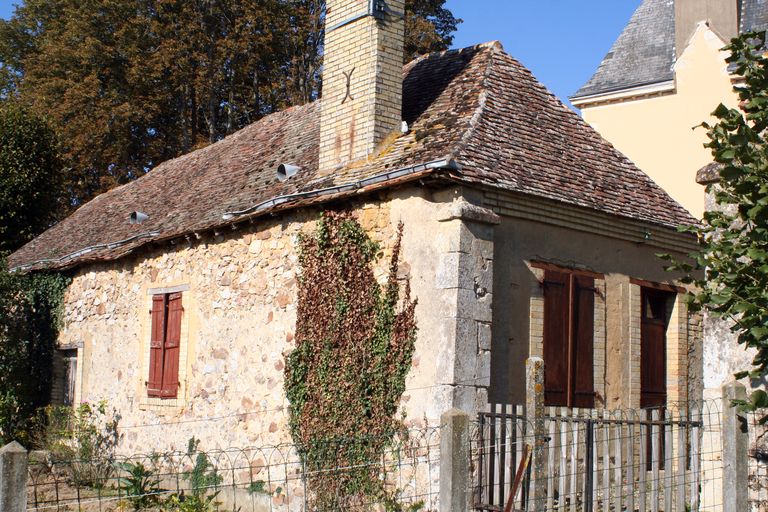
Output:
[[534, 412], [735, 448], [13, 478], [465, 274], [454, 461]]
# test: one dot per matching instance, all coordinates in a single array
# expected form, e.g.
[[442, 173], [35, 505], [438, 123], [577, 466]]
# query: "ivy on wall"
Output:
[[346, 376], [30, 316]]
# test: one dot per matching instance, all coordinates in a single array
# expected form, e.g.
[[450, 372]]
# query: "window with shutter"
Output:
[[164, 346], [569, 305]]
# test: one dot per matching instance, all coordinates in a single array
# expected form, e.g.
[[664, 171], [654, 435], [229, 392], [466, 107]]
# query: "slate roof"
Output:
[[644, 53], [477, 107]]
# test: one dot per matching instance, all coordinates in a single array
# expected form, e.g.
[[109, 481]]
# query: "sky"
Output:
[[561, 41]]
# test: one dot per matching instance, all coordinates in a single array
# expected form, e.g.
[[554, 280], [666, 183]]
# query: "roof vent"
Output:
[[138, 217], [285, 171]]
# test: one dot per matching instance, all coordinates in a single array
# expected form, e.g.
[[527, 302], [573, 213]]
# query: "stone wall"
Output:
[[238, 293]]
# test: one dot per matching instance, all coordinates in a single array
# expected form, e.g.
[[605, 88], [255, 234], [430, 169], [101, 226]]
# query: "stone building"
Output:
[[525, 234]]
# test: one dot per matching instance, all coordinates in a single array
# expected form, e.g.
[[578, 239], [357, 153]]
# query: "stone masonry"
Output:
[[238, 293]]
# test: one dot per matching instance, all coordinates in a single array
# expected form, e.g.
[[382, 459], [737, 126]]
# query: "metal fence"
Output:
[[596, 460], [243, 479]]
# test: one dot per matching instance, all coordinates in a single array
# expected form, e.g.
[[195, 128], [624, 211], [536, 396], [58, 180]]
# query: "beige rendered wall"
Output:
[[239, 319], [517, 326], [656, 132]]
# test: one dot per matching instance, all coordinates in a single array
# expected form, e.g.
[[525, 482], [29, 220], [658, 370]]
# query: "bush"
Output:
[[139, 484], [30, 311], [9, 417], [84, 438]]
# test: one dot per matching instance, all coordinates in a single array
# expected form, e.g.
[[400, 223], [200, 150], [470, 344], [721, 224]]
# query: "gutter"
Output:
[[86, 250], [444, 163]]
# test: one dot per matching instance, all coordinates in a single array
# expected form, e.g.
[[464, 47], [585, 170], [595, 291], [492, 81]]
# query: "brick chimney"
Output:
[[723, 17], [362, 79]]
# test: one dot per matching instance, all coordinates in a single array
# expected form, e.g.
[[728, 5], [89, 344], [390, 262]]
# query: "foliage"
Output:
[[30, 317], [31, 176], [203, 480], [354, 347], [9, 417], [140, 485], [734, 235], [130, 83], [429, 27], [85, 437]]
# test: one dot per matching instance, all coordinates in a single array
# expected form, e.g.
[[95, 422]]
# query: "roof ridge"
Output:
[[482, 98]]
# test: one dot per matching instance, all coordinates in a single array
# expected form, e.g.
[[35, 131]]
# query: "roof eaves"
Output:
[[280, 203], [642, 88]]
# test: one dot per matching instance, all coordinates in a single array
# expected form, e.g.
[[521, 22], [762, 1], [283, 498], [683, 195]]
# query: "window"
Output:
[[569, 304], [163, 381], [70, 376], [64, 376]]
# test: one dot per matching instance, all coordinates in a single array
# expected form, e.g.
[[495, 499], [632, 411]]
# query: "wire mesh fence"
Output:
[[256, 479], [758, 461], [597, 460]]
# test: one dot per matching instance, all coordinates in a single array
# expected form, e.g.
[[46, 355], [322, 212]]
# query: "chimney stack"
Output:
[[362, 79], [723, 17]]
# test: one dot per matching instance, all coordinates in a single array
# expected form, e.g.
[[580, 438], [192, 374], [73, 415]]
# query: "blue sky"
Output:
[[561, 41]]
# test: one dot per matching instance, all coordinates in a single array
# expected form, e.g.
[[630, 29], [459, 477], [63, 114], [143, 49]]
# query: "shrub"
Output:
[[139, 484], [84, 438]]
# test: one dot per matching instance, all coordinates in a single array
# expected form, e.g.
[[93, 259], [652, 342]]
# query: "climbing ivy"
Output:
[[346, 376], [30, 316]]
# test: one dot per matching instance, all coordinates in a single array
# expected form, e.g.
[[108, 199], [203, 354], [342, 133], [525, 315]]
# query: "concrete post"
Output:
[[13, 478], [454, 462], [534, 411], [735, 448]]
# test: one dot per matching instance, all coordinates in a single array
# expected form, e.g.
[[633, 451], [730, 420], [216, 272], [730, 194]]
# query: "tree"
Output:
[[31, 176], [429, 27], [128, 84], [733, 236]]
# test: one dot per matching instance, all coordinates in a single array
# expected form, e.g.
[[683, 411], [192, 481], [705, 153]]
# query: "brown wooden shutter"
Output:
[[653, 348], [556, 321], [157, 339], [170, 385], [583, 341]]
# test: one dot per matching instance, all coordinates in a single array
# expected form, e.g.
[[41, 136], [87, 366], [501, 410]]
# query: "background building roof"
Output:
[[644, 53]]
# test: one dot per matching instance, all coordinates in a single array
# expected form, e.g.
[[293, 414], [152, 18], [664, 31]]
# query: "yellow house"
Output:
[[663, 76]]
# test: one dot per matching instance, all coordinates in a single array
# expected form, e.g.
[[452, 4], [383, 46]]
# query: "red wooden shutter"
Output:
[[157, 338], [583, 339], [556, 321], [170, 385]]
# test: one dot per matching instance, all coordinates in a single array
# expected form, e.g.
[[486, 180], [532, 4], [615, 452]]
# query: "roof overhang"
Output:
[[617, 95]]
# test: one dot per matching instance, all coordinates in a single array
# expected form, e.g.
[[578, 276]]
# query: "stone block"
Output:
[[484, 336]]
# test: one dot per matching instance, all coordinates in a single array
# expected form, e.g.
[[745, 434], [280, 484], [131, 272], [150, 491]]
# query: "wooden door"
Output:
[[653, 347]]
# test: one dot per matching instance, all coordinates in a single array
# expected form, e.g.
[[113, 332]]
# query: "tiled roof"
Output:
[[477, 107], [644, 53]]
